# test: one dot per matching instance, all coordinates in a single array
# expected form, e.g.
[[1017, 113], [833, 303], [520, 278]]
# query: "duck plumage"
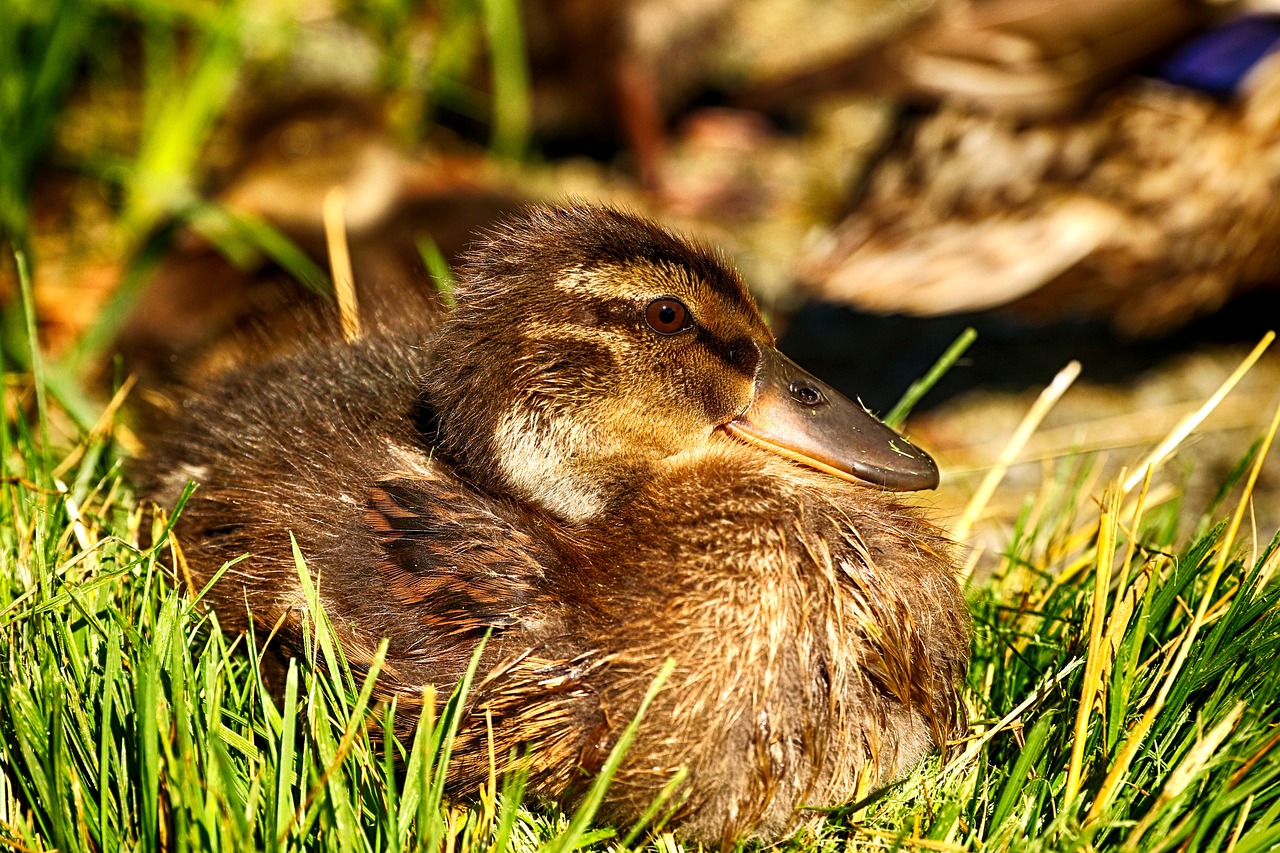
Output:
[[1151, 208], [575, 460]]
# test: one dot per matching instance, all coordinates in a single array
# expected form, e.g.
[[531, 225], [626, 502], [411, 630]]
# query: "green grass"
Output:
[[41, 47]]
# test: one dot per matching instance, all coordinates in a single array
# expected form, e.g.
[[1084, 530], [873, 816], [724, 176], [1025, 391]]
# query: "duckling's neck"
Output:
[[559, 466], [549, 468]]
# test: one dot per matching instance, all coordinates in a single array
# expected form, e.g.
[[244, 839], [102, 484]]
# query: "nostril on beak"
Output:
[[806, 395]]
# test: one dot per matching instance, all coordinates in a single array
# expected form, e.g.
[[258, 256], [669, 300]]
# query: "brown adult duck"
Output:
[[1153, 206], [600, 457]]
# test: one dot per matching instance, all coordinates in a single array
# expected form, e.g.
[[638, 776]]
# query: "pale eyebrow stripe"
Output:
[[537, 331], [612, 282]]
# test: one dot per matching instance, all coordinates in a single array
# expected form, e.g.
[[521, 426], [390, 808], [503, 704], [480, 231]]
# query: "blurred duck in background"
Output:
[[1036, 180], [1037, 184]]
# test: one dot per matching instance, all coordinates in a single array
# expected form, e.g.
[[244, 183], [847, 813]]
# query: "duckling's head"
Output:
[[589, 346]]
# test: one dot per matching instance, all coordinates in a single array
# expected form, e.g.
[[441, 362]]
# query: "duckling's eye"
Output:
[[667, 316]]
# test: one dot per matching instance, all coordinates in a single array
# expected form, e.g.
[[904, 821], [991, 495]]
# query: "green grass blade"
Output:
[[898, 414], [1016, 782], [285, 806], [438, 268], [512, 111]]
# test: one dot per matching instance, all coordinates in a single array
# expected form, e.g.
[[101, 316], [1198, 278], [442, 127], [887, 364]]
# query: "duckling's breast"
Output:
[[818, 630]]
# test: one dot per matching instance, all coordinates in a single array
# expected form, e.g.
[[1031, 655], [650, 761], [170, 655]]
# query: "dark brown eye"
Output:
[[667, 316]]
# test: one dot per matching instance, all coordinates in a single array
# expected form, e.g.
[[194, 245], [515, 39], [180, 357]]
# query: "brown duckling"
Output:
[[600, 458]]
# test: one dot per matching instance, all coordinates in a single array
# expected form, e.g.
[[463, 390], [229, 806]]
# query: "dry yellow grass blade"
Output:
[[1075, 542], [1193, 420], [1048, 398], [1121, 613], [489, 789], [344, 283], [1225, 553], [668, 843], [104, 425], [1093, 659], [1244, 815]]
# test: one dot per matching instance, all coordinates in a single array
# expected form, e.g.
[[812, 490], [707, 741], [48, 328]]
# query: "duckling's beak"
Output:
[[797, 415]]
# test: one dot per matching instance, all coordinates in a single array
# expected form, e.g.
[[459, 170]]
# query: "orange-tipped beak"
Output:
[[798, 416]]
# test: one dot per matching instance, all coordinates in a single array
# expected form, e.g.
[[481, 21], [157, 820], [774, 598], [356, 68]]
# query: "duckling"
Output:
[[599, 459]]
